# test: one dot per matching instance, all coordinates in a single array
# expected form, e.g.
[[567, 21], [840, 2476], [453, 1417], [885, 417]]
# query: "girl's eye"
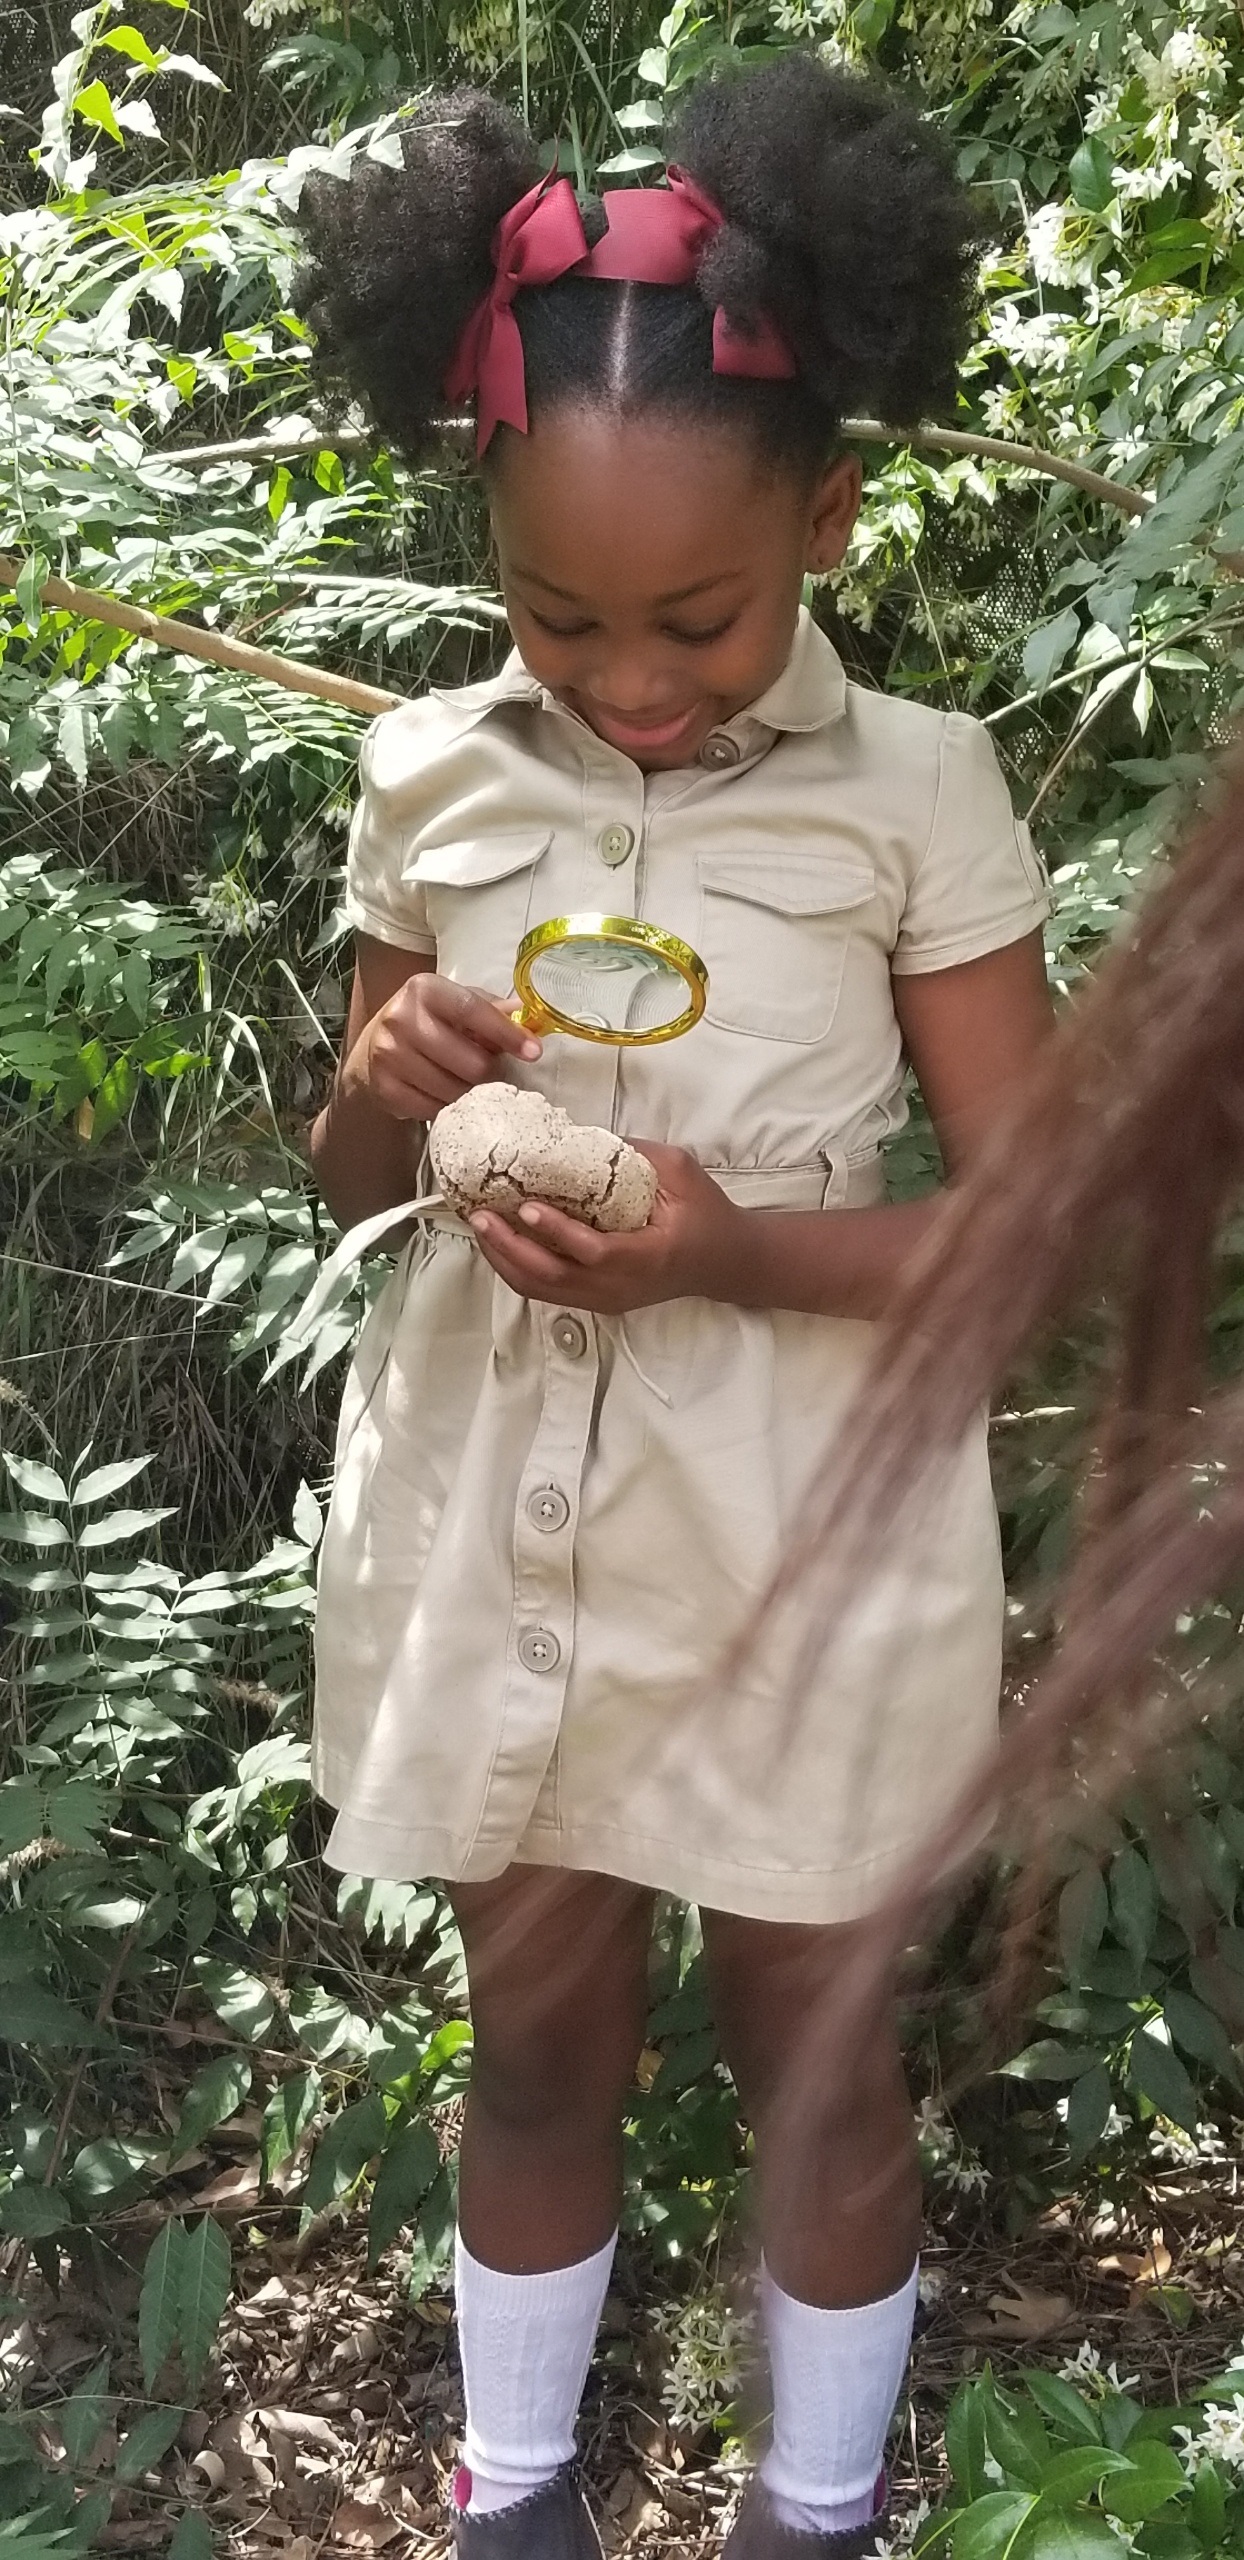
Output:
[[701, 639], [559, 630]]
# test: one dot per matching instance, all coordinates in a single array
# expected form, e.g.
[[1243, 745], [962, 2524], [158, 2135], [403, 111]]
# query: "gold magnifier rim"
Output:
[[632, 934]]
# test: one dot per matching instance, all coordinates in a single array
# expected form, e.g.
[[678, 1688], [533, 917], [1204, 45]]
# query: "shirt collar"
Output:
[[810, 691]]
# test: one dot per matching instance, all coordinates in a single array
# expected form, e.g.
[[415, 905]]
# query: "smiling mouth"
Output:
[[644, 733]]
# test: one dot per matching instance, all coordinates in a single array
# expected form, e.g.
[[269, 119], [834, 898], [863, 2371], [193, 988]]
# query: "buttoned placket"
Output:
[[540, 1651]]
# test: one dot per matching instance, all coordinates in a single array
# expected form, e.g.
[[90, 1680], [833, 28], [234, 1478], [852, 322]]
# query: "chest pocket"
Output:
[[775, 928], [479, 895]]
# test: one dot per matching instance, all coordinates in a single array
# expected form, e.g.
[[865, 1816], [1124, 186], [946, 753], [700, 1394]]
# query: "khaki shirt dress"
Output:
[[547, 1525]]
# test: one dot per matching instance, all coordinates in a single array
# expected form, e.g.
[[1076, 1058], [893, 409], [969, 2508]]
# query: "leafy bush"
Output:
[[172, 989]]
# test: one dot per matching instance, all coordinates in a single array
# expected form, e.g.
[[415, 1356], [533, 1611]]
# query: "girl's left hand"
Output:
[[687, 1250]]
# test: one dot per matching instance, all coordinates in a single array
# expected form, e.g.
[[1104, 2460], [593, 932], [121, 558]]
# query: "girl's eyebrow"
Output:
[[677, 595]]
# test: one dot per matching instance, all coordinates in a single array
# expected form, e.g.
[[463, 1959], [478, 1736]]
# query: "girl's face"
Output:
[[652, 570]]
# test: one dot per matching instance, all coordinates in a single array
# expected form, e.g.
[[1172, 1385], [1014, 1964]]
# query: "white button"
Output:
[[720, 751], [613, 844], [548, 1508], [570, 1336], [538, 1649]]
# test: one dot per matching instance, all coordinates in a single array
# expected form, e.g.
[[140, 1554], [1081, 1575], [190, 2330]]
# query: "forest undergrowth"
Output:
[[234, 2080]]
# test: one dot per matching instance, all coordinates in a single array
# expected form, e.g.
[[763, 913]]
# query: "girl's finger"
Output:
[[524, 1265], [571, 1238]]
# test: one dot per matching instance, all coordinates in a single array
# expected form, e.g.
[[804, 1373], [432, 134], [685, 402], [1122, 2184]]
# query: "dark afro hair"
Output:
[[843, 220]]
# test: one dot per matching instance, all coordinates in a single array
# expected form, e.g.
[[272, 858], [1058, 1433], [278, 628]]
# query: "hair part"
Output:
[[843, 222]]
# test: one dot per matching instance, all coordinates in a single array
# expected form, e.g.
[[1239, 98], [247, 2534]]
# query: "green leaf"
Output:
[[986, 2529], [965, 2440], [32, 1529], [1134, 1902], [29, 2015], [434, 2237], [121, 1524], [1088, 2110], [1154, 2473], [1063, 2405], [1047, 646], [1050, 2060], [216, 2094], [110, 2169], [146, 2442], [71, 740], [344, 2149], [82, 2419], [158, 2305], [290, 2110], [239, 1259], [1055, 2536], [202, 2295], [409, 2168], [127, 40], [95, 107], [103, 1481], [192, 2537], [1091, 171], [1070, 2476], [240, 1999], [35, 571], [30, 1477], [1200, 2033], [1159, 2075], [1083, 1910], [32, 2213]]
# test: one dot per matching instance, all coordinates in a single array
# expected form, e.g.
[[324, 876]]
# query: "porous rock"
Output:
[[497, 1147]]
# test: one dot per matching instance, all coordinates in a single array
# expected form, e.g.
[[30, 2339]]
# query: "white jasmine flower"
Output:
[[1086, 2372], [1219, 2440], [1058, 245]]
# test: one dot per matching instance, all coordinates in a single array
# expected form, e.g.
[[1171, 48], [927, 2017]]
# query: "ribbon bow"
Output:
[[654, 236]]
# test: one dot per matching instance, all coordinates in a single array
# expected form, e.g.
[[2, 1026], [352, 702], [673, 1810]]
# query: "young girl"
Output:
[[568, 1461]]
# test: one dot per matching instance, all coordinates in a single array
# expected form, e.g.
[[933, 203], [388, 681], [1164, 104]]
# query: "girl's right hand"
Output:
[[429, 1044]]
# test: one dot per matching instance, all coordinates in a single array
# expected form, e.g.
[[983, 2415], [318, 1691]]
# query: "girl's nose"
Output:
[[632, 686]]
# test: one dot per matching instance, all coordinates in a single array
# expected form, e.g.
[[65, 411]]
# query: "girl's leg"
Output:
[[557, 1965], [839, 2217]]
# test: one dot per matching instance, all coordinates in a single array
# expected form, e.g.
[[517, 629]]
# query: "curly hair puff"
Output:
[[844, 221]]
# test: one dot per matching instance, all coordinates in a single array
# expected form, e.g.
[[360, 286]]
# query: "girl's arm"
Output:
[[413, 1041], [971, 1034]]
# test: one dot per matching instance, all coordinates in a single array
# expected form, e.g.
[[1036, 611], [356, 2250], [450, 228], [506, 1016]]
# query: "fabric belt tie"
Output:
[[834, 1183]]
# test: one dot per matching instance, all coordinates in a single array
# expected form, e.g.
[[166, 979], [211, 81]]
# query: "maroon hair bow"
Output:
[[654, 236]]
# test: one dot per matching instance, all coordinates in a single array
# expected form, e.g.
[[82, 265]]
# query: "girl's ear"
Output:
[[835, 506]]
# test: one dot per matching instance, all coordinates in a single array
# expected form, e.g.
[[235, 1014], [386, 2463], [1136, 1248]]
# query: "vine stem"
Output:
[[92, 605]]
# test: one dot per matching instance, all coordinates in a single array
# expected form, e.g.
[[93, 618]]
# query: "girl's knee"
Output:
[[539, 2085]]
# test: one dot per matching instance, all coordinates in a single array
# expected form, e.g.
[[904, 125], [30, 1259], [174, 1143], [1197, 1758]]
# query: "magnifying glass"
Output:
[[608, 978]]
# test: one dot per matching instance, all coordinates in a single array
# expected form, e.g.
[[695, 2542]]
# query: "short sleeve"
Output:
[[979, 883], [379, 898]]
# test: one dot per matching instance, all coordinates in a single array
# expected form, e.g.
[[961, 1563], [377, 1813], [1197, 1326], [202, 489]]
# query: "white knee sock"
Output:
[[526, 2344], [836, 2377]]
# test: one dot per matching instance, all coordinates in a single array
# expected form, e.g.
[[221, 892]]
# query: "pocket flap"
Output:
[[475, 860], [793, 883]]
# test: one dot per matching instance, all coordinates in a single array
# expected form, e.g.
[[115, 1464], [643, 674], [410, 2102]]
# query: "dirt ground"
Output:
[[329, 2421]]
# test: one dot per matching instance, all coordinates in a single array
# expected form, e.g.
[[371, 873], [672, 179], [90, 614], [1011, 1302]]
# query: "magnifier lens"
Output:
[[608, 987]]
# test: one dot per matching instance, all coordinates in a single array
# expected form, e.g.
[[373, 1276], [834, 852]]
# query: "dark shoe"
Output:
[[552, 2524], [757, 2534]]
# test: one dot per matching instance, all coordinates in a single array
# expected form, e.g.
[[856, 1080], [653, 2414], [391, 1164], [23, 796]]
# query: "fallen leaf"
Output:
[[302, 2428], [647, 2067], [1022, 2314], [233, 2190], [364, 2528], [1140, 2266]]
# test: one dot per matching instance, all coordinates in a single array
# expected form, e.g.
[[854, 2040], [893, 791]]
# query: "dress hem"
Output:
[[816, 1897]]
